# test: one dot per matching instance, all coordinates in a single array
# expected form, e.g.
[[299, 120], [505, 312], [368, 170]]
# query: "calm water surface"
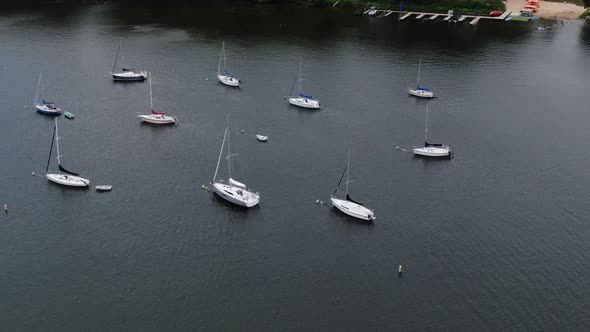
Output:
[[496, 239]]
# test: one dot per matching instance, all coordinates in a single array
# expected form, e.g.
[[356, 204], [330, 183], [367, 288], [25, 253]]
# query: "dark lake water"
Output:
[[495, 239]]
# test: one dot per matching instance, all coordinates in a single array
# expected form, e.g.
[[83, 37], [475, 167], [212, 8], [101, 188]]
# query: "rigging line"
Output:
[[50, 150], [341, 177]]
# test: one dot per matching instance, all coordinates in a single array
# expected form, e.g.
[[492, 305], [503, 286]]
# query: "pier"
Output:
[[472, 19]]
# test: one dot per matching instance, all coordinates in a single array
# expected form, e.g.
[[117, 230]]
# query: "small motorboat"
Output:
[[104, 187], [157, 118], [69, 115], [262, 138], [496, 13]]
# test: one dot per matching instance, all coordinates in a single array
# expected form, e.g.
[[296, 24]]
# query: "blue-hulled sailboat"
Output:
[[45, 107]]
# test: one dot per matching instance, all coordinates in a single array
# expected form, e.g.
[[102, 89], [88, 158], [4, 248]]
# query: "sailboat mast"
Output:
[[223, 51], [150, 83], [347, 172], [228, 150], [117, 56], [57, 143], [38, 87], [220, 153], [418, 79], [220, 57], [426, 124], [299, 80]]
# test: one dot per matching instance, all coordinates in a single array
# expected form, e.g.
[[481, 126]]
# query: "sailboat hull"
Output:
[[305, 102], [68, 180], [236, 195], [353, 209], [44, 109], [433, 152], [421, 93], [130, 76], [157, 119], [228, 80]]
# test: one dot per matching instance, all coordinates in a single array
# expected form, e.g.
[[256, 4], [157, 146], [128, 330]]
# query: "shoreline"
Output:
[[549, 9]]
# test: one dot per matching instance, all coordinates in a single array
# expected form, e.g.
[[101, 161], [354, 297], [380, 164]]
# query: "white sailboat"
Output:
[[225, 76], [303, 100], [45, 107], [127, 74], [347, 205], [155, 117], [63, 176], [434, 150], [232, 191], [420, 91]]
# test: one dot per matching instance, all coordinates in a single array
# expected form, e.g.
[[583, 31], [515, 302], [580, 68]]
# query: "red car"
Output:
[[495, 13]]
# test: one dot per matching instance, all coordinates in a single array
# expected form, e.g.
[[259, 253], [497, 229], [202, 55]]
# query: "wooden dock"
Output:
[[405, 16], [472, 19]]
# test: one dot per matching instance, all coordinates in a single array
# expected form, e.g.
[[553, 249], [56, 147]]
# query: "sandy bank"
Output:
[[548, 9]]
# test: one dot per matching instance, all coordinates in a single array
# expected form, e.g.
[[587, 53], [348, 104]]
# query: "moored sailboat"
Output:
[[45, 107], [232, 191], [225, 76], [434, 150], [346, 204], [154, 116], [301, 99], [127, 74], [420, 91], [63, 176]]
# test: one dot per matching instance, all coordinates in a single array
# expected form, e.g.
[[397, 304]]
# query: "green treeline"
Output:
[[482, 6]]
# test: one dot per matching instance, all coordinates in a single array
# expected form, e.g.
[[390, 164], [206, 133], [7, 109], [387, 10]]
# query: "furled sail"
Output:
[[47, 102], [228, 73], [348, 198], [305, 96], [236, 183], [157, 113], [426, 144], [418, 87], [66, 171]]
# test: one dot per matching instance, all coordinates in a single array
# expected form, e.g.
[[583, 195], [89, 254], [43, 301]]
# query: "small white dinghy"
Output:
[[233, 191], [104, 187], [262, 138], [433, 150], [302, 100], [155, 117], [347, 205], [225, 76], [63, 177], [420, 91]]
